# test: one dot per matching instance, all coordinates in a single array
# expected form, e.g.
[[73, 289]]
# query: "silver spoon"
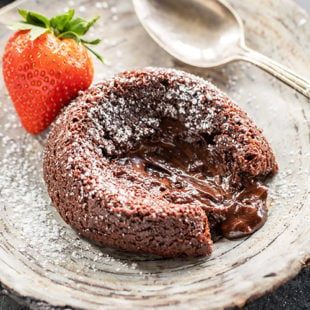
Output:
[[206, 33]]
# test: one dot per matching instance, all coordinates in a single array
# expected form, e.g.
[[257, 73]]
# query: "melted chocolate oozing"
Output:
[[189, 173]]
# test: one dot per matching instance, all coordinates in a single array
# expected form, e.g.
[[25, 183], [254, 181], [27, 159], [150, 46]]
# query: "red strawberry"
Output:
[[45, 64]]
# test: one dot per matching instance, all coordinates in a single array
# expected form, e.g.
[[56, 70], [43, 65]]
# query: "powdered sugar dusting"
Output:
[[109, 120], [112, 113], [38, 232]]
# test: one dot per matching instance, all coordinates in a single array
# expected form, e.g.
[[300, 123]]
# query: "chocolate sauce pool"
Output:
[[185, 171]]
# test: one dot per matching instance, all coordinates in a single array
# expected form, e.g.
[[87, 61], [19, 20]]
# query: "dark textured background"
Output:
[[294, 295], [4, 2]]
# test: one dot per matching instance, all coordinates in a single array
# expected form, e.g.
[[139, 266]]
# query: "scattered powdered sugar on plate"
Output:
[[37, 227], [30, 220]]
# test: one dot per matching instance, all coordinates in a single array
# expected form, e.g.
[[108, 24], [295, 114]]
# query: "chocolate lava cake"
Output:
[[156, 161]]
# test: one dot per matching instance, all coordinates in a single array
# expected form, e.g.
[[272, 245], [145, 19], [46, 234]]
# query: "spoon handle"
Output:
[[279, 71]]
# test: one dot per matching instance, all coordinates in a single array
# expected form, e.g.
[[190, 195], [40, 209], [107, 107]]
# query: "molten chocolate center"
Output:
[[185, 171]]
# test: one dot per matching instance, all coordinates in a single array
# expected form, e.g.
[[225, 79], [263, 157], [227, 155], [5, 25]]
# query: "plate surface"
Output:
[[46, 263]]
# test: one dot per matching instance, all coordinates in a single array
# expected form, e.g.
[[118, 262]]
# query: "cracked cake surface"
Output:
[[157, 161]]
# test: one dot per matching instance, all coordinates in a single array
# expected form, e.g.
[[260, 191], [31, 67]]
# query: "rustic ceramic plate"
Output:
[[44, 263]]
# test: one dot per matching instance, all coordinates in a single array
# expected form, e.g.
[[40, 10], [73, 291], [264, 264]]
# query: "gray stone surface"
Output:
[[305, 4]]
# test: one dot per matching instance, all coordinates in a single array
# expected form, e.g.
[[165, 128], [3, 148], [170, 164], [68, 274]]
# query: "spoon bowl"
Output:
[[203, 40], [206, 33]]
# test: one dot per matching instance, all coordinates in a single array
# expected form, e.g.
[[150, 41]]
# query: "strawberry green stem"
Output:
[[64, 26]]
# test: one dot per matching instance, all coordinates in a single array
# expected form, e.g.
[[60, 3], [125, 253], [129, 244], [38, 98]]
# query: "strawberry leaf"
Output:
[[70, 35], [77, 25], [34, 18], [60, 22], [95, 53], [64, 26], [93, 42], [80, 25], [38, 19], [20, 26], [35, 32], [91, 22], [23, 13]]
